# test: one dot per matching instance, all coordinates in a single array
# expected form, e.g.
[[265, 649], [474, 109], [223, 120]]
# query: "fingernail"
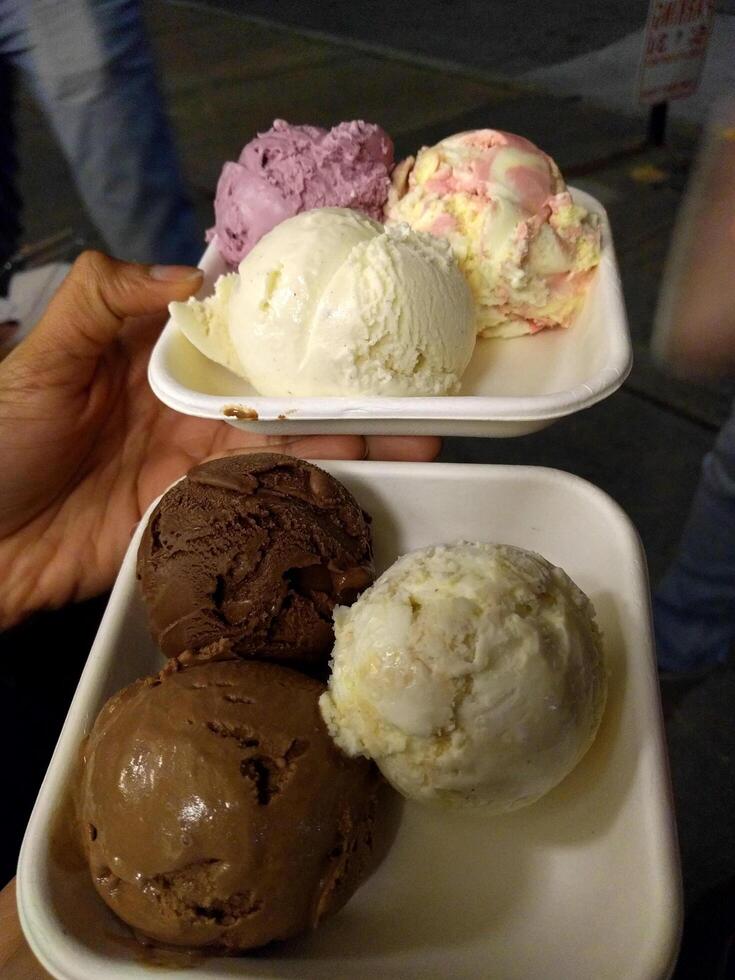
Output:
[[174, 273]]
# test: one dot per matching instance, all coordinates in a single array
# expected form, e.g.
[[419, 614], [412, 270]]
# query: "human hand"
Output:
[[85, 445], [17, 962]]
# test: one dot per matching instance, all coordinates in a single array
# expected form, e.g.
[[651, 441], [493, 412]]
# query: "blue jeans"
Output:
[[92, 70], [694, 605]]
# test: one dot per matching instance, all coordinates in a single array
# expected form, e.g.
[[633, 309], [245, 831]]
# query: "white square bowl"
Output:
[[584, 884], [510, 388]]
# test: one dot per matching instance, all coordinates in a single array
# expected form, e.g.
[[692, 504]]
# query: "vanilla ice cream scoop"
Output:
[[331, 303], [527, 249], [205, 324], [472, 673]]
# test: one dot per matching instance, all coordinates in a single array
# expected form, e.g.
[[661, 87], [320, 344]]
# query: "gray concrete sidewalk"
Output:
[[226, 77]]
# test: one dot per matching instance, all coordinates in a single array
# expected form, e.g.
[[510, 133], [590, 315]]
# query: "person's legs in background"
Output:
[[694, 605], [93, 71], [10, 40], [9, 198]]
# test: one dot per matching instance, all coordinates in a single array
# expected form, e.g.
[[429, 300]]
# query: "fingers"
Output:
[[307, 447], [90, 307], [420, 449], [324, 447], [416, 449]]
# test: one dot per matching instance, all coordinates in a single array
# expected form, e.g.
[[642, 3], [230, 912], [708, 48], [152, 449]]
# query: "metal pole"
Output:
[[657, 124]]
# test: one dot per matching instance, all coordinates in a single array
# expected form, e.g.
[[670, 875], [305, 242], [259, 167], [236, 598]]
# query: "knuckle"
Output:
[[90, 270]]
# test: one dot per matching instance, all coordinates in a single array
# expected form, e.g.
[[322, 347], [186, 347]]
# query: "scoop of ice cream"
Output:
[[216, 811], [332, 303], [206, 324], [472, 674], [290, 169], [527, 250], [249, 554]]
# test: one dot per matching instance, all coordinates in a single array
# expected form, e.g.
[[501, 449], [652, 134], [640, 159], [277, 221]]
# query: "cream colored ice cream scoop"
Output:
[[332, 303], [205, 324], [472, 673]]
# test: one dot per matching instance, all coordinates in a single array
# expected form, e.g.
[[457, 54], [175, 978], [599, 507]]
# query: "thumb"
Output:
[[93, 302]]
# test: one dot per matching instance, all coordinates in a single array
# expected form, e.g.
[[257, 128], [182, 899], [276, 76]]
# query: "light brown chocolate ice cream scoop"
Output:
[[217, 812], [254, 551]]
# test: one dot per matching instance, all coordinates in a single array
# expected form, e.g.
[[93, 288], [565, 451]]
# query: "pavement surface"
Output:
[[608, 76], [227, 75], [505, 37]]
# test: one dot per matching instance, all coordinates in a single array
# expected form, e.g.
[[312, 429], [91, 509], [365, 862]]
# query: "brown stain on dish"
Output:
[[241, 412]]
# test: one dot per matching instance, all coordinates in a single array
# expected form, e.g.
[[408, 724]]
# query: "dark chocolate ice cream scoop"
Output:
[[250, 554], [217, 812]]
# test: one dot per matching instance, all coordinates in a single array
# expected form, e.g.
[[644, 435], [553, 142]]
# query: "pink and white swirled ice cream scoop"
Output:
[[527, 250]]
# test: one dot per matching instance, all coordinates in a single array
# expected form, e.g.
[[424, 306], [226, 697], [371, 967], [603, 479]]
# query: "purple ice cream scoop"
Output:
[[291, 169]]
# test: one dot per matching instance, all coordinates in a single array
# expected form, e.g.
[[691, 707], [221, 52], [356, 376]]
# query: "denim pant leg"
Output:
[[694, 605], [9, 197], [12, 43], [94, 73]]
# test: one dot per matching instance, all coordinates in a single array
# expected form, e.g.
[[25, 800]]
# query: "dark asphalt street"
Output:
[[507, 37]]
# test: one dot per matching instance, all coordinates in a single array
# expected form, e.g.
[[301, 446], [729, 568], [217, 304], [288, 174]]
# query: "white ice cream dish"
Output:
[[508, 387]]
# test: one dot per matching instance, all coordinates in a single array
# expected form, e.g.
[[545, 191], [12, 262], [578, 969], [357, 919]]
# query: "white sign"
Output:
[[674, 46]]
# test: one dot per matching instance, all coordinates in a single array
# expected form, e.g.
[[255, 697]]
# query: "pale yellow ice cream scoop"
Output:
[[473, 674], [332, 303]]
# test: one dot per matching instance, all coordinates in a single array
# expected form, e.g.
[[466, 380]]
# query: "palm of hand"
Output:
[[84, 444], [90, 458]]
